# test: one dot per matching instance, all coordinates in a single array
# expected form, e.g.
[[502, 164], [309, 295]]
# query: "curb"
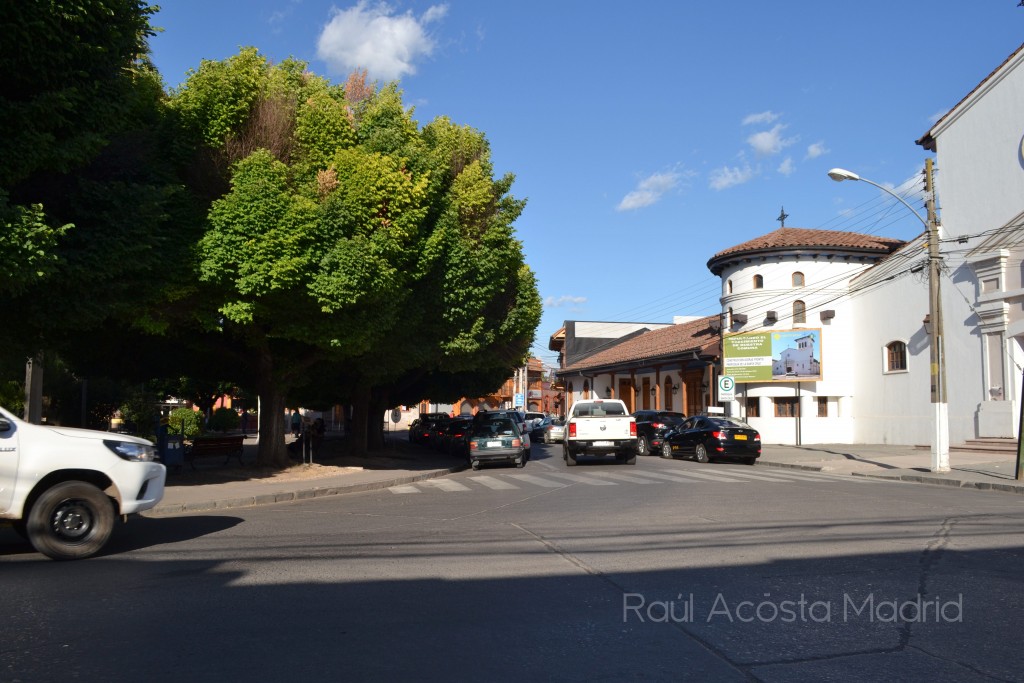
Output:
[[299, 494], [789, 466], [954, 483]]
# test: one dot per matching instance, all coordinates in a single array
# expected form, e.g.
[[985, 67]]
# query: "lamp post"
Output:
[[940, 433]]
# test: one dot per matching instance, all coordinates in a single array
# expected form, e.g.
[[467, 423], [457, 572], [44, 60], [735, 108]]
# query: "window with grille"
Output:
[[799, 312], [786, 406], [896, 356], [753, 407]]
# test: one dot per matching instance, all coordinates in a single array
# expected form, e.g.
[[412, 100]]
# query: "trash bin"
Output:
[[173, 452]]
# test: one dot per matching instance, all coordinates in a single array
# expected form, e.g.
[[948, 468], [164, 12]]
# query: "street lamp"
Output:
[[940, 433]]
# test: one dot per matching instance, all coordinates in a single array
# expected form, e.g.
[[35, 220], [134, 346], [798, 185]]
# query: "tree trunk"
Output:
[[375, 423], [359, 426], [272, 451]]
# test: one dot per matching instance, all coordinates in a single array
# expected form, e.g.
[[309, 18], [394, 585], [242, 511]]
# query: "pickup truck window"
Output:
[[599, 410]]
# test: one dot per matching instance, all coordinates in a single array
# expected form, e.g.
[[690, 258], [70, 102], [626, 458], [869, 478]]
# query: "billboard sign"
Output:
[[773, 356]]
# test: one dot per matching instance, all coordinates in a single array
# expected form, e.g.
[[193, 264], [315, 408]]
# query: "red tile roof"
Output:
[[695, 335], [785, 239]]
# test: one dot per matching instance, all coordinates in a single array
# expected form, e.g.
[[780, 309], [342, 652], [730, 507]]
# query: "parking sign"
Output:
[[726, 389]]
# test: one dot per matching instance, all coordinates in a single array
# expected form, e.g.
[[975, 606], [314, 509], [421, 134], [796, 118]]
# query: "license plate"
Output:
[[603, 444], [740, 437], [494, 444]]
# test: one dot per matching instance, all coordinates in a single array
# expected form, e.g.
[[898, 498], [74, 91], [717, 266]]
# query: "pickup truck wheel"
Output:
[[71, 521], [700, 453], [642, 447], [630, 459], [570, 459]]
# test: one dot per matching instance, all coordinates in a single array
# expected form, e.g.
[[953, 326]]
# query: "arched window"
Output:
[[895, 356], [798, 279], [799, 312], [758, 282], [728, 286]]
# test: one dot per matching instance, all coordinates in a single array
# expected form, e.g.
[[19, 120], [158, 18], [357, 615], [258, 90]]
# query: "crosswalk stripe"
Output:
[[445, 485], [711, 476], [539, 481], [682, 478], [626, 477], [759, 476], [581, 478], [404, 488], [494, 482]]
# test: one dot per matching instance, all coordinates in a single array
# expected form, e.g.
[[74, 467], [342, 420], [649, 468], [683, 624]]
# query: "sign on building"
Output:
[[775, 356], [726, 389]]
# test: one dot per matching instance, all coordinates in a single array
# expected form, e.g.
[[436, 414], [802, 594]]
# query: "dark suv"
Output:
[[651, 426]]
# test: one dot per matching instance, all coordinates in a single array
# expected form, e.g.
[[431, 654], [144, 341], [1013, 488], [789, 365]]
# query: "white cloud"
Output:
[[726, 177], [764, 117], [770, 142], [648, 191], [787, 167], [816, 150], [564, 300], [373, 38]]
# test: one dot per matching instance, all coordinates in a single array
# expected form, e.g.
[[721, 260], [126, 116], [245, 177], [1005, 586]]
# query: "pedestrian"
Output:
[[245, 421], [296, 423]]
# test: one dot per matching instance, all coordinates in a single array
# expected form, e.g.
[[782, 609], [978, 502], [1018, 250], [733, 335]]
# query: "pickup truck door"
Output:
[[8, 461]]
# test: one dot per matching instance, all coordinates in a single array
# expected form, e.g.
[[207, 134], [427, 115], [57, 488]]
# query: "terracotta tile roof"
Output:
[[802, 238], [695, 335]]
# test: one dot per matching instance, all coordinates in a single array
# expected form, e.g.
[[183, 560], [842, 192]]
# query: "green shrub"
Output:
[[223, 419], [185, 421]]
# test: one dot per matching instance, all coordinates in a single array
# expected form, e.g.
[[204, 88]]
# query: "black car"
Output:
[[651, 426], [456, 435], [703, 437], [419, 430]]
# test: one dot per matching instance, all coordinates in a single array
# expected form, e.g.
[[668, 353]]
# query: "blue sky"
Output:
[[648, 136]]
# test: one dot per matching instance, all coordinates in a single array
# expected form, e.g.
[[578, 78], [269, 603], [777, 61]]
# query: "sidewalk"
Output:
[[216, 487], [979, 470]]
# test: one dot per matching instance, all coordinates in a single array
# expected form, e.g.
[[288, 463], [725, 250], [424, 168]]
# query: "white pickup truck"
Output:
[[63, 488], [600, 427]]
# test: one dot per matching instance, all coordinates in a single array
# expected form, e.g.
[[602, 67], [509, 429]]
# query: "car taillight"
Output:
[[632, 428], [757, 437], [572, 429], [516, 443], [472, 445], [718, 435]]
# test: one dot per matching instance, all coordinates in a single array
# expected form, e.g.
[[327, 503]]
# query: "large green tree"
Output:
[[350, 244], [93, 219]]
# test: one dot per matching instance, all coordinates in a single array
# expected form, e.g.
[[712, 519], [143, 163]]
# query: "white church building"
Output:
[[858, 305]]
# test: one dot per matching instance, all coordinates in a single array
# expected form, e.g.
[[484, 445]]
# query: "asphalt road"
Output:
[[667, 570]]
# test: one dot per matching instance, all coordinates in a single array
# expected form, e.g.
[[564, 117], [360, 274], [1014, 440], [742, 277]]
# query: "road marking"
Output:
[[493, 482], [713, 477], [445, 485], [404, 488], [683, 478], [625, 477], [582, 479], [539, 481]]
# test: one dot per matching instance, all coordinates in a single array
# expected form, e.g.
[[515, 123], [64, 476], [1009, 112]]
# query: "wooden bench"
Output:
[[228, 446]]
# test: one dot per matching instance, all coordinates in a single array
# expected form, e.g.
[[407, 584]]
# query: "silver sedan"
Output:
[[555, 432]]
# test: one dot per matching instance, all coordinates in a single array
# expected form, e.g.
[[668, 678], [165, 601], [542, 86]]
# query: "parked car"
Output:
[[456, 436], [532, 420], [514, 415], [703, 437], [539, 426], [419, 430], [555, 432], [651, 426], [496, 439]]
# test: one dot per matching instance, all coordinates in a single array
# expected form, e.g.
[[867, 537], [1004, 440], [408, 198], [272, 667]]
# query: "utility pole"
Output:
[[940, 439]]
